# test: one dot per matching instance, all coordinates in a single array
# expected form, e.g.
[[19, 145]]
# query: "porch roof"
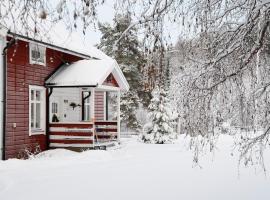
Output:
[[87, 73]]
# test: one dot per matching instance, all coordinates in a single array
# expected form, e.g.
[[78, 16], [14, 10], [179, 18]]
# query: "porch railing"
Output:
[[82, 134], [105, 131]]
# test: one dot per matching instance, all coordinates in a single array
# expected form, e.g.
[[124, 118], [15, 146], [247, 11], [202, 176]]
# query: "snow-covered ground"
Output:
[[135, 171]]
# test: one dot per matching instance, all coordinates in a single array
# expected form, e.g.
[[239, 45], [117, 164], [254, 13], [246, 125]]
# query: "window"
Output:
[[36, 110], [37, 54], [112, 106], [54, 108], [86, 110]]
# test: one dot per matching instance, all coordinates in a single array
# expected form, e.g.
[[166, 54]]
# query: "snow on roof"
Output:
[[74, 46], [75, 43], [62, 39], [84, 72], [87, 73]]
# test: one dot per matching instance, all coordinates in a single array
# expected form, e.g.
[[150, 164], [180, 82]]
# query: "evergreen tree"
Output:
[[160, 129], [128, 54]]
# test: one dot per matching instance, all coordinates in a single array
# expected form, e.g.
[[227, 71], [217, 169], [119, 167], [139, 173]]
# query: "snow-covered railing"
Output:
[[71, 134], [105, 131], [82, 134]]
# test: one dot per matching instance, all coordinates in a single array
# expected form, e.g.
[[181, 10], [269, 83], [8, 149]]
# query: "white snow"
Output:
[[135, 171], [88, 72]]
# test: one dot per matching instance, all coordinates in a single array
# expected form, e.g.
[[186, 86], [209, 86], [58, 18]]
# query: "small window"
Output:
[[37, 54], [86, 110], [36, 110], [54, 108]]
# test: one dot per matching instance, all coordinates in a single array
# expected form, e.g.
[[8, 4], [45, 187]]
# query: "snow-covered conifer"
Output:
[[160, 129], [129, 55]]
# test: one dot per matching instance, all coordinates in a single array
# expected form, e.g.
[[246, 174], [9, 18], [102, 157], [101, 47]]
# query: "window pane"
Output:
[[86, 112], [36, 55], [38, 115], [32, 94], [54, 108], [37, 95], [32, 115], [41, 58]]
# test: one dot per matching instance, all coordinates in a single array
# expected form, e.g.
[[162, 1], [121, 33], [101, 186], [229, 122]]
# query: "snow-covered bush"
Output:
[[160, 129]]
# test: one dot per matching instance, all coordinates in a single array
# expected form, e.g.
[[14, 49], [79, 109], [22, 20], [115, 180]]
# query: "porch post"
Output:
[[49, 92], [92, 104], [118, 115], [92, 114]]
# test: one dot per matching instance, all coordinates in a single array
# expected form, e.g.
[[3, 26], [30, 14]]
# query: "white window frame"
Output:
[[42, 129], [42, 50], [87, 104]]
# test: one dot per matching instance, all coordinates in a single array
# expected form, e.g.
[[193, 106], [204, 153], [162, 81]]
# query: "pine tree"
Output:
[[129, 55], [160, 129]]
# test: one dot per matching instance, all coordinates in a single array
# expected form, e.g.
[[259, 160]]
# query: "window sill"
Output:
[[36, 132], [37, 63]]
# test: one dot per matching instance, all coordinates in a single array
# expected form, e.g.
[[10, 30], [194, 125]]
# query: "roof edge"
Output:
[[62, 49], [121, 76]]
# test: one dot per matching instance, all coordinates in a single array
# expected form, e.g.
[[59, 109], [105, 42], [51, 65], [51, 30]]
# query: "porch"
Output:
[[84, 112], [83, 134]]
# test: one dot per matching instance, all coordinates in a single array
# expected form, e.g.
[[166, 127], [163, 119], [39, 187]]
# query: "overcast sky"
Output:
[[105, 14], [61, 36], [92, 36]]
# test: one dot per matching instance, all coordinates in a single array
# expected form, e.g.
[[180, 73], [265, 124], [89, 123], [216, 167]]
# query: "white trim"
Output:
[[70, 145], [107, 126], [86, 104], [67, 137], [42, 50], [63, 129], [54, 48], [42, 129], [93, 95], [2, 89], [92, 109], [118, 115], [107, 88], [120, 78]]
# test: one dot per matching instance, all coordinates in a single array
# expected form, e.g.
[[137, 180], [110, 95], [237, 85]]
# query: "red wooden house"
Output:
[[53, 97]]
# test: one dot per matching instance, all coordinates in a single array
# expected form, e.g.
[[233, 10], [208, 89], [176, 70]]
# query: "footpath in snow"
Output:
[[134, 171]]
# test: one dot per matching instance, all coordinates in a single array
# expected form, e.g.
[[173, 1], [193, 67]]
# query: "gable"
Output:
[[88, 73], [110, 81]]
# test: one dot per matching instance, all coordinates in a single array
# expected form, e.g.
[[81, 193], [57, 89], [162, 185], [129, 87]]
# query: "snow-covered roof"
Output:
[[70, 46], [87, 73]]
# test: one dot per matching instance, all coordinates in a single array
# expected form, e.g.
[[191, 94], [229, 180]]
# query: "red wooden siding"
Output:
[[20, 74], [99, 105]]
